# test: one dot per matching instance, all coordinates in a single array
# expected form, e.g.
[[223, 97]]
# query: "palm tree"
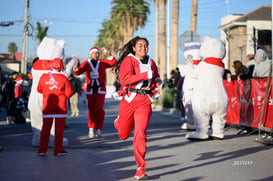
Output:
[[109, 36], [174, 37], [131, 14], [126, 17], [41, 32], [163, 57], [156, 57]]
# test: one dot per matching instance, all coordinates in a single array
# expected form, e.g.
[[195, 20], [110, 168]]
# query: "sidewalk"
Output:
[[170, 156]]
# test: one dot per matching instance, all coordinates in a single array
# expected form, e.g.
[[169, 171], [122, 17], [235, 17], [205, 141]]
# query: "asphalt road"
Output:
[[170, 156]]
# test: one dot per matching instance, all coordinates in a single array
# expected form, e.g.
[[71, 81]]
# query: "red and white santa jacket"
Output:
[[95, 74], [55, 88], [133, 73]]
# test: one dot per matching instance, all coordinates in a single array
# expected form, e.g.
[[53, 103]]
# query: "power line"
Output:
[[6, 23]]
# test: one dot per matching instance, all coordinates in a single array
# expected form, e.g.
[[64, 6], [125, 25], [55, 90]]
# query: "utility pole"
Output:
[[168, 37], [25, 36], [194, 15]]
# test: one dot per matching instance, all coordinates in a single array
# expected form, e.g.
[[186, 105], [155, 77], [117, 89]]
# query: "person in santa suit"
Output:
[[56, 89], [94, 69], [17, 87], [139, 74], [47, 50]]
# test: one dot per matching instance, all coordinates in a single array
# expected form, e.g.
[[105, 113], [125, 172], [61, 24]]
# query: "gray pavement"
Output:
[[169, 156]]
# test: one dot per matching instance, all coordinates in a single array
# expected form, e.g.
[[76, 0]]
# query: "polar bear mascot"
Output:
[[192, 59], [48, 49], [209, 97]]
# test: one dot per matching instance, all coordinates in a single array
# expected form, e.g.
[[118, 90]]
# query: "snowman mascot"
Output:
[[192, 59], [47, 50], [209, 97]]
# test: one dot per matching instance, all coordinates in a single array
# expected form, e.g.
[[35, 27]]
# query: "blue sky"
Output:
[[78, 22]]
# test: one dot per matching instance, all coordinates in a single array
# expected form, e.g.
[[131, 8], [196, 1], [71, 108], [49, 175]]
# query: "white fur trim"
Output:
[[93, 50], [150, 74], [116, 96], [110, 58]]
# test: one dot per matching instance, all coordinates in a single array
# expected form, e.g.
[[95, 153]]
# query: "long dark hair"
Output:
[[126, 50]]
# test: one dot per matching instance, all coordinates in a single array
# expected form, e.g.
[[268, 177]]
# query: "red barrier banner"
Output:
[[246, 102], [233, 112]]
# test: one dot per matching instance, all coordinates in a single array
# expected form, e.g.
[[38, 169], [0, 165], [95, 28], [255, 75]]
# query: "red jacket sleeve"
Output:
[[109, 62], [127, 74], [81, 69]]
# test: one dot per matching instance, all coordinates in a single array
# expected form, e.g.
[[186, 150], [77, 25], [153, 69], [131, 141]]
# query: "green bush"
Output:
[[168, 97]]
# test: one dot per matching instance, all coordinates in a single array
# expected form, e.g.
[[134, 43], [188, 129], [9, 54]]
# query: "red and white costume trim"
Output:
[[143, 72], [55, 88], [95, 100], [135, 109], [97, 73]]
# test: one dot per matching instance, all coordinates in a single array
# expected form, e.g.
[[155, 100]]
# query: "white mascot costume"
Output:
[[209, 97], [192, 58], [48, 49]]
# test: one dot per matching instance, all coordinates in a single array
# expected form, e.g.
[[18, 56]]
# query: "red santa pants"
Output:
[[45, 134], [135, 114], [96, 112]]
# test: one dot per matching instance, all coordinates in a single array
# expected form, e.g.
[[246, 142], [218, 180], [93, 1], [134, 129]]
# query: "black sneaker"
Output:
[[62, 153]]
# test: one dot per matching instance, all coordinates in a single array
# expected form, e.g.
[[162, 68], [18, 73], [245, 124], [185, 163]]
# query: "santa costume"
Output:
[[135, 107], [56, 89], [95, 73], [17, 88], [47, 50]]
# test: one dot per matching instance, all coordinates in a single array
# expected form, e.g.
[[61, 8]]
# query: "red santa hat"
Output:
[[19, 81], [57, 64], [94, 49]]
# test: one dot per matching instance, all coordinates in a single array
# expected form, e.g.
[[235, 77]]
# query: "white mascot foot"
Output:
[[217, 136], [65, 142], [51, 142], [186, 126], [36, 141], [196, 136]]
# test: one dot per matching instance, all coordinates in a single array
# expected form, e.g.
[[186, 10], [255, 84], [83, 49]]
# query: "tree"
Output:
[[126, 17], [162, 32], [41, 32], [12, 48], [109, 36], [174, 37], [156, 57], [130, 15]]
